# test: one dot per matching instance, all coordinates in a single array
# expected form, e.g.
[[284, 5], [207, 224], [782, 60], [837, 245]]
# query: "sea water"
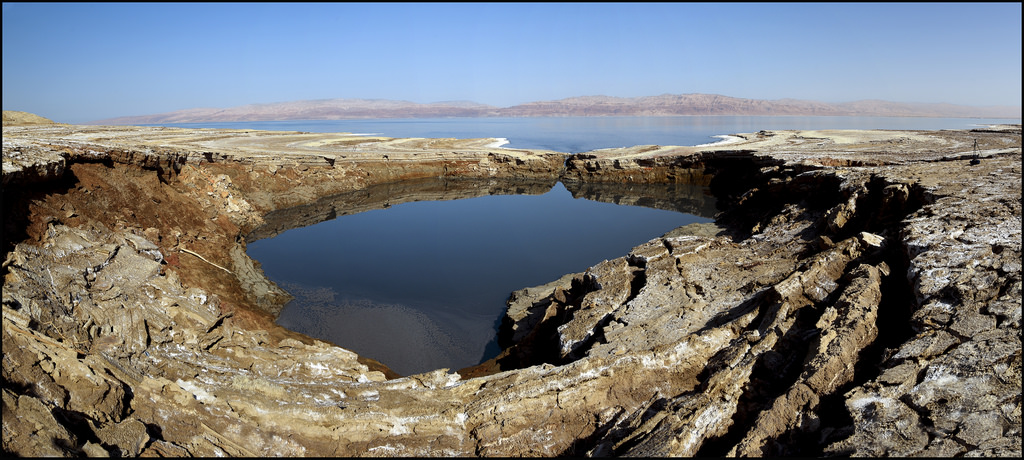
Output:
[[422, 285], [581, 134]]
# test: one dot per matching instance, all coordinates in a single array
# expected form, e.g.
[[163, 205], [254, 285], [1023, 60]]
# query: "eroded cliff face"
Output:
[[860, 294]]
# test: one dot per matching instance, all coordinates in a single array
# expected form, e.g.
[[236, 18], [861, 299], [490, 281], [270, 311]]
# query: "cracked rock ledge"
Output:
[[859, 294]]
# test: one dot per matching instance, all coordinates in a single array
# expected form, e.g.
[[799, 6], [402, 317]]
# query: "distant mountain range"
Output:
[[585, 106]]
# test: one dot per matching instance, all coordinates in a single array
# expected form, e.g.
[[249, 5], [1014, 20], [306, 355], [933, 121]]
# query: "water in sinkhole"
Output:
[[422, 285]]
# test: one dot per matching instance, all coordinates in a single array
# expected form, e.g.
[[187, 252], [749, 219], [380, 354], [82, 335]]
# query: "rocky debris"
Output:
[[25, 163], [859, 294]]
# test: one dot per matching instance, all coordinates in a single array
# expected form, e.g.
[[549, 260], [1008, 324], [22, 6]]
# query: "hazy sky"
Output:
[[82, 62]]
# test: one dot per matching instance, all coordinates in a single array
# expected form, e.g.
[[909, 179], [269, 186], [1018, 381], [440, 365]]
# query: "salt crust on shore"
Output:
[[725, 140]]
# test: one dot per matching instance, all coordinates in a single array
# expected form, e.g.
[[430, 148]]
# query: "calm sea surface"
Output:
[[422, 285], [581, 134]]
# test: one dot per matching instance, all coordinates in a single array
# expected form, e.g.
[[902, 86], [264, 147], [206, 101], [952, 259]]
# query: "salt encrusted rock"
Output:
[[848, 301]]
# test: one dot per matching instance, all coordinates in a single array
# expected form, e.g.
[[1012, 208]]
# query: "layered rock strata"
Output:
[[860, 295]]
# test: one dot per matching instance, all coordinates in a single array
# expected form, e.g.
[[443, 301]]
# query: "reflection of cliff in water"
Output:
[[689, 199], [382, 196], [686, 198], [433, 276]]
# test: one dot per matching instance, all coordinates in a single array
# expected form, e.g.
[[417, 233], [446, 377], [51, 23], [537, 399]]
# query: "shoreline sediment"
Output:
[[865, 286], [498, 142], [724, 139]]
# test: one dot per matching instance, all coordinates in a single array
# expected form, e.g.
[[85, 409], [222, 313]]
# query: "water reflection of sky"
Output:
[[433, 276]]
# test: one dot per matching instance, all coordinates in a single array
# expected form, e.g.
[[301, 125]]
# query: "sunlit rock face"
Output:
[[859, 294]]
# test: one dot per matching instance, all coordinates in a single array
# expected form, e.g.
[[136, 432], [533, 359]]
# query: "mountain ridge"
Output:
[[593, 105]]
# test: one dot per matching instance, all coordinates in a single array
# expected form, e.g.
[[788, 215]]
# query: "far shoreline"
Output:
[[726, 139], [105, 122], [585, 134]]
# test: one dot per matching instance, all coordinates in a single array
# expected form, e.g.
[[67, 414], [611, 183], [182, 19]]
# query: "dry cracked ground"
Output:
[[859, 294]]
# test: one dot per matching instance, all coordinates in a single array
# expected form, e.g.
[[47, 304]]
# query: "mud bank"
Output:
[[860, 295]]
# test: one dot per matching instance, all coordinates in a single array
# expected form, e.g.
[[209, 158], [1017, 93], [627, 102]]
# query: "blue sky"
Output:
[[77, 62]]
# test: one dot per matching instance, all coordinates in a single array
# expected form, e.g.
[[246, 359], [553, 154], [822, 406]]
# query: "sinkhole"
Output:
[[416, 274]]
